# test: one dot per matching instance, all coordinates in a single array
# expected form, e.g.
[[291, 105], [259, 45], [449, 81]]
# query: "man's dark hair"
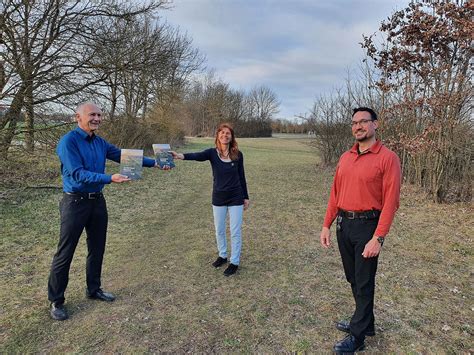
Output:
[[373, 115]]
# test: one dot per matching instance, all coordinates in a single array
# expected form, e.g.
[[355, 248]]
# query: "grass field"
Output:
[[287, 294]]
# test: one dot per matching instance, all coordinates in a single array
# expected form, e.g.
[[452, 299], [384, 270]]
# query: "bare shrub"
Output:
[[425, 66], [329, 120], [127, 132]]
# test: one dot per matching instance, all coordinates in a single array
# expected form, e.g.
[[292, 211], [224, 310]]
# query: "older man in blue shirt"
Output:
[[83, 155]]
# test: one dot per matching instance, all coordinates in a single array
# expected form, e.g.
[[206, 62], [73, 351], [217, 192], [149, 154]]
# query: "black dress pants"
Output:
[[78, 212], [352, 236]]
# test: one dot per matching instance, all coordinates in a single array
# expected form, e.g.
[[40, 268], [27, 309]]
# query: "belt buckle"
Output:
[[91, 195], [350, 214]]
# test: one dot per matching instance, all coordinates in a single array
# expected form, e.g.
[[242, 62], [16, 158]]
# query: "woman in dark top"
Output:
[[229, 194]]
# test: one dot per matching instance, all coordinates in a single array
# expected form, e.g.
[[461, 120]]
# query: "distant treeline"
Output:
[[296, 126]]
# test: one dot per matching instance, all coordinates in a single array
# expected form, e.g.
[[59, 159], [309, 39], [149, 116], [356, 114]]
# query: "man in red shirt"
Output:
[[364, 198]]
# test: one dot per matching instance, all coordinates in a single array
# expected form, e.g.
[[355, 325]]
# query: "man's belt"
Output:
[[86, 195], [372, 214]]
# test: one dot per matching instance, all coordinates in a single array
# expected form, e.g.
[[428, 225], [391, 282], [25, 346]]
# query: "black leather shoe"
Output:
[[231, 269], [101, 296], [219, 262], [349, 345], [58, 312], [344, 326]]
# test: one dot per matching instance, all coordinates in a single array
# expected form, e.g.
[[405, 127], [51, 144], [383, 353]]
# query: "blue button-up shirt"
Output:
[[83, 161]]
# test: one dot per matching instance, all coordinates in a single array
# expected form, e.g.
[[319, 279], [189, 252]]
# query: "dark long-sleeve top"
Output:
[[83, 161], [229, 184]]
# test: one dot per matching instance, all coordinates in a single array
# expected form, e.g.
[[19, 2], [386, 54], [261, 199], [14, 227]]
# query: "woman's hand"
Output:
[[165, 167], [246, 204], [175, 155]]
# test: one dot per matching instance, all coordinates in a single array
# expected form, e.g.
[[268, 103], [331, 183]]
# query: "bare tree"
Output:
[[426, 64], [210, 101], [329, 120], [47, 55], [152, 62], [263, 102]]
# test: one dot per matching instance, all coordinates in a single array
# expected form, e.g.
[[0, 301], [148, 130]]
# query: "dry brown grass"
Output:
[[288, 291]]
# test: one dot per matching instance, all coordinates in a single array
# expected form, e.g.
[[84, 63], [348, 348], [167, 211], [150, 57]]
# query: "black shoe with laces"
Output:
[[219, 262], [58, 312], [231, 269], [349, 345], [101, 295], [344, 326]]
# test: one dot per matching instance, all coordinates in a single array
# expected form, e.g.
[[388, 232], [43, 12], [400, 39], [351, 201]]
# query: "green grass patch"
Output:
[[287, 294]]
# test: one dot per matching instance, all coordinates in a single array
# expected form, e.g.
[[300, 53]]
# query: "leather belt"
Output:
[[86, 195], [372, 214]]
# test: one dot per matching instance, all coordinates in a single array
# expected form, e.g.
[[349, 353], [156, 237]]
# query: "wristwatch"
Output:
[[380, 240]]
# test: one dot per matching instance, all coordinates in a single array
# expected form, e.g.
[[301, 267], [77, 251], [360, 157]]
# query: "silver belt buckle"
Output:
[[91, 195], [350, 214]]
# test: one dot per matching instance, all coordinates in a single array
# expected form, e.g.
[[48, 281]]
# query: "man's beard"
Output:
[[366, 136], [362, 138]]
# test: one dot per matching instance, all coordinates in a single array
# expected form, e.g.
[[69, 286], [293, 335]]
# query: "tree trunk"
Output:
[[113, 99], [29, 120], [9, 122]]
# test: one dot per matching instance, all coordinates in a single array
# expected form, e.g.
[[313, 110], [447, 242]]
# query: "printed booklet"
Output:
[[131, 163], [163, 155]]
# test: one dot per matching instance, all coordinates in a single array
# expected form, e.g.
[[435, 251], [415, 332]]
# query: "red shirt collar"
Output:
[[374, 148]]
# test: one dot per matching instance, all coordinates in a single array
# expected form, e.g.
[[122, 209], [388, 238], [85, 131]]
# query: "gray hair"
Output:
[[81, 106]]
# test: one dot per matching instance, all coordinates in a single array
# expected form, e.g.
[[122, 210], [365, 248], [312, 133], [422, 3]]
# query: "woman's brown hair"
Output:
[[233, 146]]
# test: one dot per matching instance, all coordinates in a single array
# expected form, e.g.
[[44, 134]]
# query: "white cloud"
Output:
[[300, 49]]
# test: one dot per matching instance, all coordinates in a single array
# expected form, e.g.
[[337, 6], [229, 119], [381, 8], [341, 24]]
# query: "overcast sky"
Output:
[[299, 48]]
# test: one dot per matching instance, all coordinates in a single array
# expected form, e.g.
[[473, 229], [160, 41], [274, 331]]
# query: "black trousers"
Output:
[[352, 236], [77, 213]]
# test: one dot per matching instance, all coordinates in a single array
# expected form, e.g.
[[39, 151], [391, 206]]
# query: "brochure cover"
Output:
[[131, 163], [163, 156]]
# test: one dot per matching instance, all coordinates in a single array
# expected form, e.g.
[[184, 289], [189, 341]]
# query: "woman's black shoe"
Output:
[[231, 270], [219, 262]]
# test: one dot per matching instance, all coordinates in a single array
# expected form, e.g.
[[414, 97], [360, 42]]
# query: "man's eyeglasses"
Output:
[[362, 122]]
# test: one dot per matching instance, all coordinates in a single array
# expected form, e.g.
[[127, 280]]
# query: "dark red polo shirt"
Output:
[[368, 181]]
